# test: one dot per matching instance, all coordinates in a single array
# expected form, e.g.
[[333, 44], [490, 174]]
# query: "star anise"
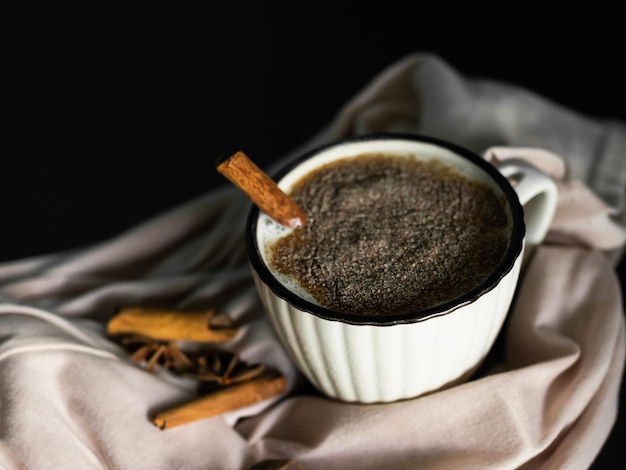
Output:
[[211, 367], [219, 368], [149, 352]]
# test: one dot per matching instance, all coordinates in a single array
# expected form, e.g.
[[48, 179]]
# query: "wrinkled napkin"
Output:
[[547, 398]]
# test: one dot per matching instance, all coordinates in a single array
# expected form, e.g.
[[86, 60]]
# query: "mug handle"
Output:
[[537, 192]]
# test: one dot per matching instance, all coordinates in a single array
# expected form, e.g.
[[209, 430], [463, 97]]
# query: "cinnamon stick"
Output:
[[262, 190], [172, 325], [221, 401]]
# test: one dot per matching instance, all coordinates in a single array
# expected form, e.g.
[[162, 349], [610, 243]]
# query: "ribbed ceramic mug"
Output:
[[383, 358]]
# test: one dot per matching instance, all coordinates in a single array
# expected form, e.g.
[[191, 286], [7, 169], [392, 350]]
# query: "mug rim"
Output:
[[504, 267]]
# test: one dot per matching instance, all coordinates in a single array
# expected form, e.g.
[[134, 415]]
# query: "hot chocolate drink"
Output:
[[401, 276], [387, 235]]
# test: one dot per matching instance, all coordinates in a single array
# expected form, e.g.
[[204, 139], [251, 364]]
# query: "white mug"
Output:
[[384, 358]]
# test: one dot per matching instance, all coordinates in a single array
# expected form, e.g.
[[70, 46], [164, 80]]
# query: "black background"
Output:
[[113, 119]]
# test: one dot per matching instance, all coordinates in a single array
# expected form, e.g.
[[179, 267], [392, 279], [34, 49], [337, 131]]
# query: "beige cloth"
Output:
[[547, 398]]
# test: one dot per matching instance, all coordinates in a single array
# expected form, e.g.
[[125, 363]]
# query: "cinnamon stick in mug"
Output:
[[262, 190]]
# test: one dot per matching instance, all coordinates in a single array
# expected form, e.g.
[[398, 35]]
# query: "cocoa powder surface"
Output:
[[391, 235]]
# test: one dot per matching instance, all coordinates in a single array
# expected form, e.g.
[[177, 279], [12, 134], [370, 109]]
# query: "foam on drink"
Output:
[[419, 258]]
